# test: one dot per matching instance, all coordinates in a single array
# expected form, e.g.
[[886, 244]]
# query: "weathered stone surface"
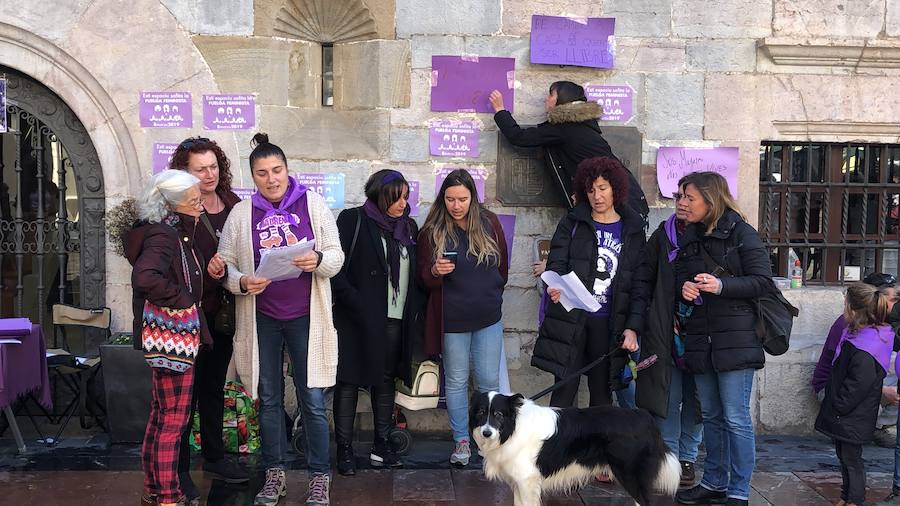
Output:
[[728, 93], [213, 17], [829, 18], [517, 14], [324, 134], [460, 18], [674, 106], [423, 47], [409, 145], [506, 47], [722, 55], [520, 308], [357, 63], [892, 21], [50, 23], [641, 18], [728, 19], [419, 111], [370, 18], [643, 55]]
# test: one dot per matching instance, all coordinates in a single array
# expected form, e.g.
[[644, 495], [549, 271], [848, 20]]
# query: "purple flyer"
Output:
[[413, 198], [674, 162], [450, 137], [582, 42], [244, 193], [617, 101], [508, 222], [162, 155], [463, 83], [3, 126], [479, 175], [229, 112], [329, 186], [166, 109]]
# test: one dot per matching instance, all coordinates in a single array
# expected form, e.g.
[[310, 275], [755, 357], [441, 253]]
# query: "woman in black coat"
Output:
[[603, 242], [376, 312], [722, 267]]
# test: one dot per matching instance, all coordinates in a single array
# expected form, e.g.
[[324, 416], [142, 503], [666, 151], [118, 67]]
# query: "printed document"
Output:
[[573, 293], [277, 264]]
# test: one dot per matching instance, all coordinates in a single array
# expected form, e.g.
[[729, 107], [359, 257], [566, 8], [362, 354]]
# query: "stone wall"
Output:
[[734, 75]]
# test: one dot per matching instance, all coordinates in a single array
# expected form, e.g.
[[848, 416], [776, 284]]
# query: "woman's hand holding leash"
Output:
[[630, 343]]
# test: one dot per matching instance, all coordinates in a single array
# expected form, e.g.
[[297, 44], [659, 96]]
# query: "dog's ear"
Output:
[[517, 401], [477, 404]]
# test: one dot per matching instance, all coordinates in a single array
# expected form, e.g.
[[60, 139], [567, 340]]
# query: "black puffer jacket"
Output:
[[852, 396], [724, 324], [574, 249]]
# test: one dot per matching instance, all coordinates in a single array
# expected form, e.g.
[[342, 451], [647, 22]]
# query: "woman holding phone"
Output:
[[464, 266]]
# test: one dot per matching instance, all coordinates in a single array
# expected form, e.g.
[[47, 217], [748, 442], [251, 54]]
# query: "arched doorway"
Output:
[[52, 240]]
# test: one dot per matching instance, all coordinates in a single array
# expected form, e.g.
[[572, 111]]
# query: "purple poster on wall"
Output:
[[508, 222], [413, 198], [674, 162], [478, 175], [162, 155], [463, 83], [2, 105], [451, 137], [617, 101], [229, 112], [583, 42], [166, 109], [244, 193]]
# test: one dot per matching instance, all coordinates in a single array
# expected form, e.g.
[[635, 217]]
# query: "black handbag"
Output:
[[224, 320]]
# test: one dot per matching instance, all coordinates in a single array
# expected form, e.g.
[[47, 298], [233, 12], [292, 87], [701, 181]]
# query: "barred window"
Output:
[[832, 206]]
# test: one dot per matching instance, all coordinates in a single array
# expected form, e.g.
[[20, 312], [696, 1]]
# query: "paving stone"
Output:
[[786, 488], [423, 485]]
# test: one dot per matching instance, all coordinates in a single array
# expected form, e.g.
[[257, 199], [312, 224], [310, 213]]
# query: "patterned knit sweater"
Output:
[[236, 249]]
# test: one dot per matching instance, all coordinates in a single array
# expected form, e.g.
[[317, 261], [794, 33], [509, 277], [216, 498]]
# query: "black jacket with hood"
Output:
[[852, 397]]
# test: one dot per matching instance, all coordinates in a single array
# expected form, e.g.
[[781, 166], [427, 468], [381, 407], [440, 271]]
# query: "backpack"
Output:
[[425, 390]]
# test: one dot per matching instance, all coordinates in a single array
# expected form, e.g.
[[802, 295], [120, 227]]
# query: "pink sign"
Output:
[[617, 101], [413, 198], [463, 83], [166, 109], [162, 155], [508, 222], [229, 112], [478, 175], [672, 163], [583, 42], [244, 193], [454, 138]]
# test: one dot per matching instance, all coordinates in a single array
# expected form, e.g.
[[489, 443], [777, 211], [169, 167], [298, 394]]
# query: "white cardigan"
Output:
[[236, 249]]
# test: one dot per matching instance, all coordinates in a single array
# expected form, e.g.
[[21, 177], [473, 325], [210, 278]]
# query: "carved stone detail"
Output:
[[325, 21]]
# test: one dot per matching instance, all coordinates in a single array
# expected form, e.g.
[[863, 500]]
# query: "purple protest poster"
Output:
[[244, 193], [617, 101], [166, 109], [582, 42], [450, 137], [162, 155], [508, 222], [3, 105], [674, 162], [463, 83], [413, 198], [478, 175], [229, 112]]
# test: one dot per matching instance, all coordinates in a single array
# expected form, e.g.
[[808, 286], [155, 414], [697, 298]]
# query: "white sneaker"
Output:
[[461, 454], [318, 490], [274, 489]]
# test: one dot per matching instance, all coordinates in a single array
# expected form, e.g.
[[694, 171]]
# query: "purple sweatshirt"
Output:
[[823, 367]]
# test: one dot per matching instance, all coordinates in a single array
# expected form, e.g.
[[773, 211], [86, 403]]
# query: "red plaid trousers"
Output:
[[170, 411]]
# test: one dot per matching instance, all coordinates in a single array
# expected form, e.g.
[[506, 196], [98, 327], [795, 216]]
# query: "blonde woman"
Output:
[[464, 266]]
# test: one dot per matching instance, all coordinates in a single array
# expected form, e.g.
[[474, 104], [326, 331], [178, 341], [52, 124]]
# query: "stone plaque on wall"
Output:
[[523, 178]]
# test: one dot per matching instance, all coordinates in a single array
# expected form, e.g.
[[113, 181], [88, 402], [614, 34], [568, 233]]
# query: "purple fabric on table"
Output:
[[14, 327], [23, 369]]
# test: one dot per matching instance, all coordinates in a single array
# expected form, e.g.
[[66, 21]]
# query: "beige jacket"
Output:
[[236, 249]]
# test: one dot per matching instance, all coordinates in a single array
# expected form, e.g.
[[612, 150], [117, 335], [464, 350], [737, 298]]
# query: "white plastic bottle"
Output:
[[797, 275]]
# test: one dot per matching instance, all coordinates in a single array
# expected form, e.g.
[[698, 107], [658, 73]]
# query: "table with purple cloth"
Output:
[[23, 370]]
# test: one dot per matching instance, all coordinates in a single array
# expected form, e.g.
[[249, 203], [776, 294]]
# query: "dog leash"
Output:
[[647, 362]]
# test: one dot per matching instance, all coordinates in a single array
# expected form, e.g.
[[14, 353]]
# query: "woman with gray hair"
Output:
[[167, 273]]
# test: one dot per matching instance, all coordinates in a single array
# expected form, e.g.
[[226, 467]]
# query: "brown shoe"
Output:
[[688, 475]]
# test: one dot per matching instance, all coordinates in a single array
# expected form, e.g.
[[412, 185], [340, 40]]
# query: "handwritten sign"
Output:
[[3, 127], [454, 138], [478, 175], [244, 193], [463, 83], [508, 222], [329, 186], [229, 112], [582, 42], [413, 198], [166, 109], [672, 163], [162, 155], [617, 101]]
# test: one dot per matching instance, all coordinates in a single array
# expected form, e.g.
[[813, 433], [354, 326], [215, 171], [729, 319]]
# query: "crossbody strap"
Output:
[[353, 241], [205, 219]]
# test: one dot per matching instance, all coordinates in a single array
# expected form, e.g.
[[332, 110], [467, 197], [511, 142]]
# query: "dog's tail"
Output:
[[669, 475]]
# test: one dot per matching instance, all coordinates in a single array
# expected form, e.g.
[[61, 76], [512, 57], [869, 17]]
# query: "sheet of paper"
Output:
[[573, 293], [277, 264]]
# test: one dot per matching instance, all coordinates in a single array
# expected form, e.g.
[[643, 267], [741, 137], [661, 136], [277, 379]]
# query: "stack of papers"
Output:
[[278, 264], [573, 293]]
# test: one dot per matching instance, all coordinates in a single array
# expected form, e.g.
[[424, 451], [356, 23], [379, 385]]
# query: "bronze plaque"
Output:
[[523, 178]]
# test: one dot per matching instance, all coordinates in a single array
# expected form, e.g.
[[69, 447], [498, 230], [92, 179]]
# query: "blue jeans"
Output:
[[272, 336], [681, 429], [727, 430], [482, 348]]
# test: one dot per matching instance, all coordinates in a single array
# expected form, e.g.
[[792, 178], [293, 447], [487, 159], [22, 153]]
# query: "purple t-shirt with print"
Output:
[[287, 299], [609, 245]]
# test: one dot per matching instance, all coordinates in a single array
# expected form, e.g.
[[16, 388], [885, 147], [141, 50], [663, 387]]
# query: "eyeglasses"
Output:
[[193, 141]]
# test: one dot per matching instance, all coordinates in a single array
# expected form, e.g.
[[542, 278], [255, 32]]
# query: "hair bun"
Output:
[[259, 138]]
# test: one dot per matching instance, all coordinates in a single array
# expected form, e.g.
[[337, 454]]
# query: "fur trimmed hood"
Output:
[[575, 112]]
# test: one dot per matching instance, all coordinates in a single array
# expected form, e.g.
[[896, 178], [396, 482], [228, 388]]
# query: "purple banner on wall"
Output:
[[617, 101], [413, 198], [229, 112], [463, 83], [166, 109], [329, 186], [162, 155], [583, 42], [3, 126], [478, 175], [244, 193], [508, 222], [450, 137], [674, 162]]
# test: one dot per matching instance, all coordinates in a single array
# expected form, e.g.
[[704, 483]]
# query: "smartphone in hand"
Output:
[[450, 255]]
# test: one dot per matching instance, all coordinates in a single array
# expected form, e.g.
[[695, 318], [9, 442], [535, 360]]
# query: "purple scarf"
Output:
[[294, 192], [395, 232], [671, 227], [876, 341]]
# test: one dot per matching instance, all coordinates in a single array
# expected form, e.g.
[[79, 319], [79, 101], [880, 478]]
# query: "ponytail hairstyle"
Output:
[[163, 193], [262, 148], [866, 305]]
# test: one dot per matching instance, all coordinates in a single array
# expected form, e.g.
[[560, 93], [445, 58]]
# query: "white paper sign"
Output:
[[278, 264], [573, 293]]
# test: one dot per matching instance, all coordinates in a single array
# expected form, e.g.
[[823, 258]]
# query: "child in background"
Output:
[[853, 392]]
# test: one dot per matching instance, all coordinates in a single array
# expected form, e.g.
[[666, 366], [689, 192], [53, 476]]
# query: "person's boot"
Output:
[[688, 474], [383, 455], [346, 460], [700, 495]]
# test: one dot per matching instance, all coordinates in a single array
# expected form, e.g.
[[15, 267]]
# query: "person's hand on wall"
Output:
[[496, 99], [538, 268], [554, 294]]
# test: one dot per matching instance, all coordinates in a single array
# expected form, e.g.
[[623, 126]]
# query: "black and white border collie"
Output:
[[534, 449]]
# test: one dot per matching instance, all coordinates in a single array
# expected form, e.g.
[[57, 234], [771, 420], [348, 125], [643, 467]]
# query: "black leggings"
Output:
[[591, 344], [382, 394], [853, 472]]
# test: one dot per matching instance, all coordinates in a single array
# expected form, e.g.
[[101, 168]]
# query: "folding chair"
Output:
[[77, 373]]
